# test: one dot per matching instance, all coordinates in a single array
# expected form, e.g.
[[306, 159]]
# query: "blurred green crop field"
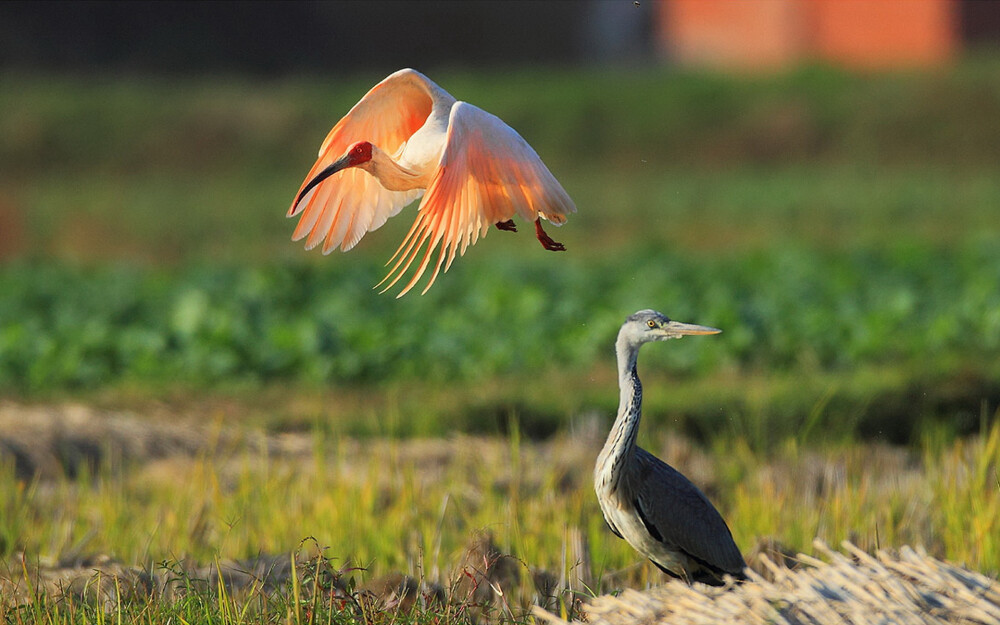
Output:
[[852, 334], [841, 229]]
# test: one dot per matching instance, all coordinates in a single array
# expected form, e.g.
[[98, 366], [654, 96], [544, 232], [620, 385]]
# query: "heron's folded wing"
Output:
[[351, 202], [487, 174], [683, 516]]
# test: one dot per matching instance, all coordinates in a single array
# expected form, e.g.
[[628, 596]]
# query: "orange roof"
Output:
[[769, 33]]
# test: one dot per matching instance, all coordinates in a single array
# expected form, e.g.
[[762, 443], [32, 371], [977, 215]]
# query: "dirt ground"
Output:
[[49, 442]]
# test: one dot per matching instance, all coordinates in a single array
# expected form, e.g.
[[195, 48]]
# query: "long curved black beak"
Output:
[[329, 170]]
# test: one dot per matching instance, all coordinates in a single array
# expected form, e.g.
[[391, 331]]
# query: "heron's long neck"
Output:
[[620, 446]]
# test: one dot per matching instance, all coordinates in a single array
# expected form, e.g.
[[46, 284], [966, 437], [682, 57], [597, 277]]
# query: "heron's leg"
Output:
[[546, 240], [506, 225]]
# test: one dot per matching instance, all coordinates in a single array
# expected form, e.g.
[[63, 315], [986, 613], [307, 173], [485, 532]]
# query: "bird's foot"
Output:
[[547, 241], [506, 225]]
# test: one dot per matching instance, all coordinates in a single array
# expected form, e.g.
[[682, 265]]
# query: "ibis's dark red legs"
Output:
[[546, 240], [506, 225]]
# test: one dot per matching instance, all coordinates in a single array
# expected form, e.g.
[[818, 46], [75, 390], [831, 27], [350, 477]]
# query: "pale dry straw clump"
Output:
[[842, 589]]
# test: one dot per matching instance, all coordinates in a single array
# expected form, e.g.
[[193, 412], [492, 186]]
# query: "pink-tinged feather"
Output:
[[324, 222], [337, 230], [469, 229], [310, 214], [415, 245], [456, 232]]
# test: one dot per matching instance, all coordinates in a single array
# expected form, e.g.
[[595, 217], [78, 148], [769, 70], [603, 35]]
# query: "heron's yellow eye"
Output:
[[651, 323]]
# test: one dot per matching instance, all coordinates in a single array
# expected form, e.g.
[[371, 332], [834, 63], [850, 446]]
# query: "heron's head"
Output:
[[648, 325]]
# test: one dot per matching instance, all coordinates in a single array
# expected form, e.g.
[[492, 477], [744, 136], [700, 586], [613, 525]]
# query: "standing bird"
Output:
[[409, 138], [646, 501]]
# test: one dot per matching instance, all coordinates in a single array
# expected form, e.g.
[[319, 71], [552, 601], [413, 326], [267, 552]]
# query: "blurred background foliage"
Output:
[[839, 226]]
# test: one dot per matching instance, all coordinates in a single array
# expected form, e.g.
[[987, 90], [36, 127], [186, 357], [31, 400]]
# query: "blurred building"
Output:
[[279, 38], [773, 33]]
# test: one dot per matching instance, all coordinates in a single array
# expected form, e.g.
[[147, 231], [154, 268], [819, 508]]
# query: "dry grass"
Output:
[[86, 490], [842, 589]]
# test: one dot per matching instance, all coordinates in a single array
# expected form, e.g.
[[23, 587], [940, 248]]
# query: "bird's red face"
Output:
[[360, 152]]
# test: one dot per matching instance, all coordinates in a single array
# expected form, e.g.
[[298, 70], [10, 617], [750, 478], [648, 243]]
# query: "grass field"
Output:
[[841, 229], [377, 506]]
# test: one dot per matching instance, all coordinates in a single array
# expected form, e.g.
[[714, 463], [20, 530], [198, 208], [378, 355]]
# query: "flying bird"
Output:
[[408, 138], [646, 501]]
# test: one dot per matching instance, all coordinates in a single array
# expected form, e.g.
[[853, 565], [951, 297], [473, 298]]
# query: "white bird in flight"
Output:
[[408, 138]]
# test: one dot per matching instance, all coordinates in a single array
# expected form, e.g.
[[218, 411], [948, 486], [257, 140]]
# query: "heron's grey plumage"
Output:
[[646, 501]]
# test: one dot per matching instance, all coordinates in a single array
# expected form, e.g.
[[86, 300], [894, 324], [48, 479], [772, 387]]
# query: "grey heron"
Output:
[[658, 511]]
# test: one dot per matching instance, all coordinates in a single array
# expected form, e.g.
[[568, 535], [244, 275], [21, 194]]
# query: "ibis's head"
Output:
[[356, 155], [648, 325]]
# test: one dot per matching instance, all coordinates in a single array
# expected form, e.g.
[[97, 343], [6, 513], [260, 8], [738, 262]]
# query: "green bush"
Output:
[[69, 327]]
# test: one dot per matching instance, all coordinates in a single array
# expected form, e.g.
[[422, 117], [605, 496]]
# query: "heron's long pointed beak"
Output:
[[341, 163], [677, 328]]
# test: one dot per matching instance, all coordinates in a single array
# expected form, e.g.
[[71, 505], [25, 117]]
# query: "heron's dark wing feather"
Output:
[[682, 516], [649, 525], [614, 530], [666, 570]]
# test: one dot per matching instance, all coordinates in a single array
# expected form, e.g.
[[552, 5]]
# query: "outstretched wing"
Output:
[[351, 202], [675, 511], [487, 173]]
